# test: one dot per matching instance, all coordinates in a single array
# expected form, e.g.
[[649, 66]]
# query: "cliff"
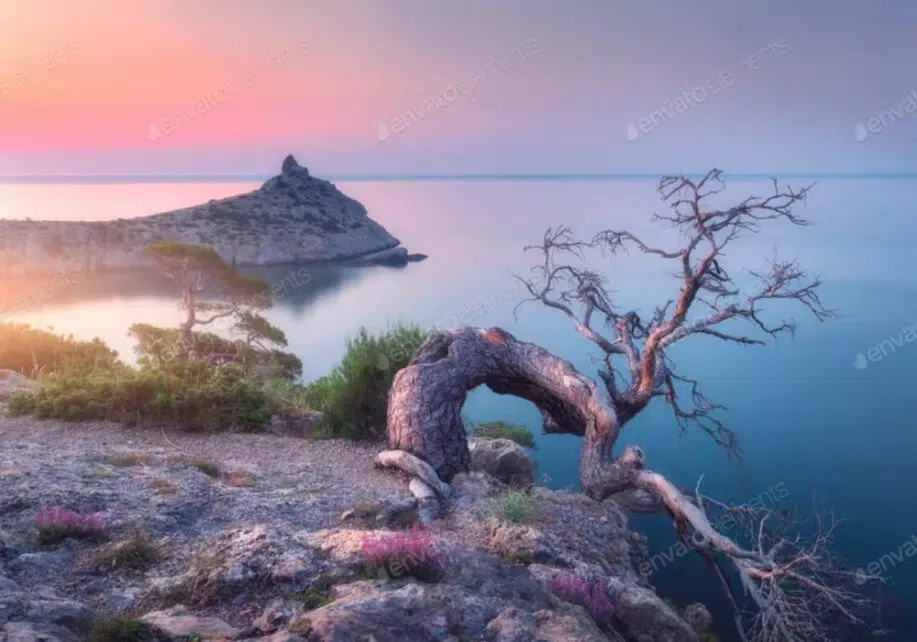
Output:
[[293, 218]]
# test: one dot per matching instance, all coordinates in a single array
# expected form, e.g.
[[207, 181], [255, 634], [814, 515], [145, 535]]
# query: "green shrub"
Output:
[[504, 430], [354, 397], [34, 352], [122, 629], [192, 395], [515, 506]]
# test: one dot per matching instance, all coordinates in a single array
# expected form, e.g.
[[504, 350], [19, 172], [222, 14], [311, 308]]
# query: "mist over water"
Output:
[[825, 416]]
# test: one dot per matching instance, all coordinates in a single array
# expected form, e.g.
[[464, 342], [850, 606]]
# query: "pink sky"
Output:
[[96, 86]]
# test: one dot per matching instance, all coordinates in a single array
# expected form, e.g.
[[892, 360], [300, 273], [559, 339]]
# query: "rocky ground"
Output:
[[263, 537]]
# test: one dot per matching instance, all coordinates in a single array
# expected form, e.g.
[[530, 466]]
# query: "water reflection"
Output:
[[106, 305]]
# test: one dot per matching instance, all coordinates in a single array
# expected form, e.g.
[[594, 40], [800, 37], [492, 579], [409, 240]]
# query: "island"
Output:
[[293, 218]]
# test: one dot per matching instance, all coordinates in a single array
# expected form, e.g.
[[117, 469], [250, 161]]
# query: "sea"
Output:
[[825, 417]]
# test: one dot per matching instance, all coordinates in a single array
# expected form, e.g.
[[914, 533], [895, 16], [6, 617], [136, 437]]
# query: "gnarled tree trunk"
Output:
[[425, 431], [425, 403]]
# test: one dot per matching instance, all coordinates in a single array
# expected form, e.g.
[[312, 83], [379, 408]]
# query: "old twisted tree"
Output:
[[793, 590]]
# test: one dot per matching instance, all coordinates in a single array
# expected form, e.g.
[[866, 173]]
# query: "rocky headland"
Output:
[[294, 218], [266, 537]]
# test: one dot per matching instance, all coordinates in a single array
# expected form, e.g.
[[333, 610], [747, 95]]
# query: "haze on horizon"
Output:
[[357, 86]]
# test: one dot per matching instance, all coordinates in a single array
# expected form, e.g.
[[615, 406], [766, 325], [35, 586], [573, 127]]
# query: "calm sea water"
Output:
[[818, 423]]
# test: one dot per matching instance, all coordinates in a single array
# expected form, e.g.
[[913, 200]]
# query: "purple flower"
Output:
[[590, 595], [55, 524], [412, 553]]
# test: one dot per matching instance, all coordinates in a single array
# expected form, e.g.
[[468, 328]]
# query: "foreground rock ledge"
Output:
[[262, 551]]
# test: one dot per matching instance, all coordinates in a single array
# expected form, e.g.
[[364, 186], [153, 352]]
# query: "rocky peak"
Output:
[[290, 166], [294, 175]]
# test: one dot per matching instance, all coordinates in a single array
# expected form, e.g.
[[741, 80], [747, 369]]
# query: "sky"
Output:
[[477, 86]]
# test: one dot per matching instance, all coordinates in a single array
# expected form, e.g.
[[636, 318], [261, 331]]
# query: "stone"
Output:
[[504, 459], [238, 574], [698, 617], [119, 601], [179, 623], [522, 544], [69, 614], [301, 426], [43, 560], [273, 618], [7, 585], [645, 613], [33, 632]]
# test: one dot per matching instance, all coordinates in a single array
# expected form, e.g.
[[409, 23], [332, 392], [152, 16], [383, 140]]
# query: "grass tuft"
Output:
[[515, 506], [504, 430], [123, 460], [134, 552], [121, 629]]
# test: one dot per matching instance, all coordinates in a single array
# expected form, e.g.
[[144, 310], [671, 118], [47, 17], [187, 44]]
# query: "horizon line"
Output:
[[33, 179]]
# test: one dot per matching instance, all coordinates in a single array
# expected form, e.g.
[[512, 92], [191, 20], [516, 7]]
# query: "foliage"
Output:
[[590, 595], [194, 267], [206, 466], [35, 352], [255, 328], [192, 395], [354, 397], [57, 524], [154, 347], [504, 430], [515, 506], [411, 553], [121, 629], [134, 552]]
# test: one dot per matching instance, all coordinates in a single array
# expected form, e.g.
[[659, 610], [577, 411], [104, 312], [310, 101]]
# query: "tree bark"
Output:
[[425, 403]]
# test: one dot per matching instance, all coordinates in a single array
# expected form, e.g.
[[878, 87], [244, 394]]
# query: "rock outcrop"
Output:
[[264, 550], [294, 218]]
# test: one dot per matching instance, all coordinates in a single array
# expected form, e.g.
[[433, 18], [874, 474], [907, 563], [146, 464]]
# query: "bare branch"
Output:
[[705, 282]]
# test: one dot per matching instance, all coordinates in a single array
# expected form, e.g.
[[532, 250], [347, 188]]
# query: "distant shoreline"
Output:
[[120, 179]]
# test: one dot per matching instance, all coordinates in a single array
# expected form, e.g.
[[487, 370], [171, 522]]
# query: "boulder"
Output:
[[504, 459], [421, 612], [698, 617], [69, 614], [301, 426], [521, 544], [32, 632], [178, 623]]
